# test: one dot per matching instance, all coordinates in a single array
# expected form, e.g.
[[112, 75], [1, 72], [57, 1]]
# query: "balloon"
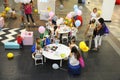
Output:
[[80, 7], [55, 66], [7, 9], [79, 12], [77, 23], [35, 10], [61, 6], [10, 55], [51, 14], [49, 8], [75, 6], [41, 29], [69, 16], [99, 12], [17, 1], [25, 1], [73, 14]]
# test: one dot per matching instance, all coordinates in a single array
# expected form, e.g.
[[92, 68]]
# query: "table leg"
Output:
[[60, 63], [44, 59]]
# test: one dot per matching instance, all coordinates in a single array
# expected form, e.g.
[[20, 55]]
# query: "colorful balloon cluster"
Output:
[[68, 22], [83, 46]]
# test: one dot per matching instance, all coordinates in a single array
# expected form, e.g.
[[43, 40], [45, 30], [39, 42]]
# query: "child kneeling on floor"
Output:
[[19, 40]]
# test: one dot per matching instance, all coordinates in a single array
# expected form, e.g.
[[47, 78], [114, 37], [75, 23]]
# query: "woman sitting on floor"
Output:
[[74, 64]]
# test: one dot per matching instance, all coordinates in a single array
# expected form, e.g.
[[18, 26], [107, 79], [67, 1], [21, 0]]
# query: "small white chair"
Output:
[[38, 57], [65, 37]]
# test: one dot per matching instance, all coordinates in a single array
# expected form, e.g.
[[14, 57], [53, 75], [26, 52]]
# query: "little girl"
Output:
[[89, 31], [37, 53], [20, 40]]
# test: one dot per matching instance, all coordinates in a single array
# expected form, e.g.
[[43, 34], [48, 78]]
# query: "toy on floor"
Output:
[[10, 55]]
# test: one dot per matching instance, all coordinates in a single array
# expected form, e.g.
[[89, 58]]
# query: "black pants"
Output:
[[29, 15]]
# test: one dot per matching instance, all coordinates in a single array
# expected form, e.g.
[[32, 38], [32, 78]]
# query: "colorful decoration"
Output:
[[7, 9], [10, 55], [99, 12], [41, 29], [69, 16], [79, 12], [75, 7], [49, 9], [51, 13], [35, 10], [77, 23], [83, 46]]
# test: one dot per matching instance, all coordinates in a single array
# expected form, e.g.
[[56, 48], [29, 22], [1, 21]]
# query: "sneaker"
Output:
[[34, 23], [94, 49], [28, 23]]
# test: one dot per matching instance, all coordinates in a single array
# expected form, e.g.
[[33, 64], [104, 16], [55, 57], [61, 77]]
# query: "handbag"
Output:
[[82, 63]]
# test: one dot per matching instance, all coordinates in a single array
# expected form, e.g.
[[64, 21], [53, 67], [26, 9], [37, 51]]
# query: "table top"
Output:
[[64, 29], [27, 34], [56, 51]]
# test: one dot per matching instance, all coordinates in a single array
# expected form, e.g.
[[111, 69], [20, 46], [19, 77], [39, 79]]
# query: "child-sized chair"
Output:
[[38, 59]]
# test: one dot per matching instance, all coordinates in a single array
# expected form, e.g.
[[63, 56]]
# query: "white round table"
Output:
[[61, 52]]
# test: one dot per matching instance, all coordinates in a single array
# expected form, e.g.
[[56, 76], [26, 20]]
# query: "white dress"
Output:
[[73, 61]]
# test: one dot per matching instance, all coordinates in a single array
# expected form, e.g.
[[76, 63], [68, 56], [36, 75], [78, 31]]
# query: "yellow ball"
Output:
[[35, 10], [7, 9], [10, 55]]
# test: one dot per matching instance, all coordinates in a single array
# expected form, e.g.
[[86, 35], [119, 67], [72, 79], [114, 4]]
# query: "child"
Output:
[[37, 53], [93, 14], [20, 40], [89, 31], [72, 43], [13, 13]]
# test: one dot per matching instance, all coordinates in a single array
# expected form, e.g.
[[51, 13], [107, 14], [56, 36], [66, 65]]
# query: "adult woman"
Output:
[[28, 12], [99, 32], [74, 65]]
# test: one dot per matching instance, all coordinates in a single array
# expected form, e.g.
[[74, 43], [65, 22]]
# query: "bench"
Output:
[[11, 45]]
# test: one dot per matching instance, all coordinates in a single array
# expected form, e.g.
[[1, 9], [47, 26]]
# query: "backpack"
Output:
[[105, 28]]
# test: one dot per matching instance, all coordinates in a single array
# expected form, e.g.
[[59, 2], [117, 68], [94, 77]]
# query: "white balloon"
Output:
[[61, 6], [17, 1], [80, 7], [55, 66]]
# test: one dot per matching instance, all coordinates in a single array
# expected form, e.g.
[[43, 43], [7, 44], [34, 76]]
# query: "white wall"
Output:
[[107, 9]]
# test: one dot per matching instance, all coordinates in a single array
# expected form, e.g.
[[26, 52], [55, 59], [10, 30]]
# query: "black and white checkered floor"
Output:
[[9, 34]]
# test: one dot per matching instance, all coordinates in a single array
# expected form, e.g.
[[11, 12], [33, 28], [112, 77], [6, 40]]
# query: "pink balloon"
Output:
[[69, 16], [41, 29], [79, 12], [51, 14]]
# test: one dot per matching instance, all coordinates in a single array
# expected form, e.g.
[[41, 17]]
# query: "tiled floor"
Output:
[[101, 65]]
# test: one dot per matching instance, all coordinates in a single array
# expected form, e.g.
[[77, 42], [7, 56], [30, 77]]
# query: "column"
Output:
[[107, 9]]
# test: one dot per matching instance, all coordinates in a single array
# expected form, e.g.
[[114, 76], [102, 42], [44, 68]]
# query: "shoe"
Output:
[[34, 23], [94, 49], [28, 23]]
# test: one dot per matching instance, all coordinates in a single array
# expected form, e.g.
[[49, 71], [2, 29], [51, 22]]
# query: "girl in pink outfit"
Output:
[[28, 12]]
